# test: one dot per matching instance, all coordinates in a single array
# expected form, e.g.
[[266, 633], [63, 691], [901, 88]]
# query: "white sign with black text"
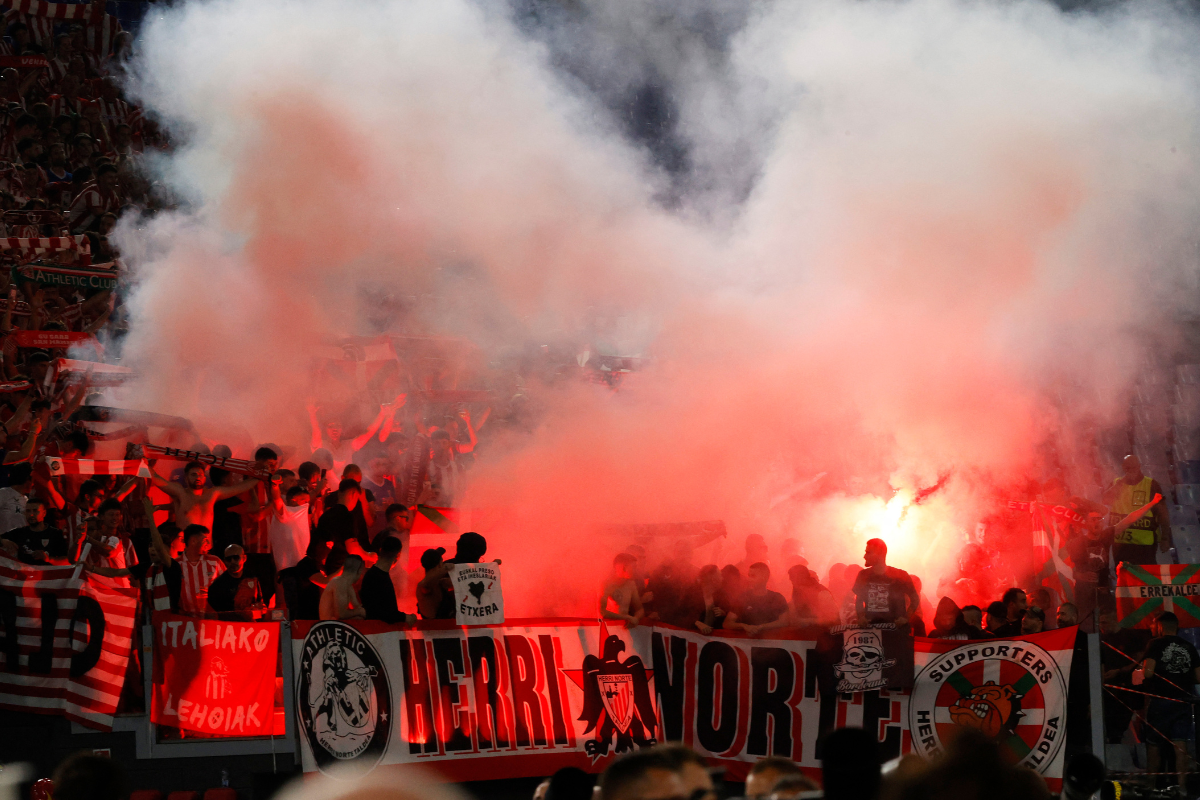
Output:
[[478, 597]]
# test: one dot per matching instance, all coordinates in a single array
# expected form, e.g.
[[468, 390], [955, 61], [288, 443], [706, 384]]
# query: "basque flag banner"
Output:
[[1143, 592], [66, 642], [1011, 690]]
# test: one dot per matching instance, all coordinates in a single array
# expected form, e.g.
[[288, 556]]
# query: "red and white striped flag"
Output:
[[30, 248], [71, 647], [89, 466], [44, 10]]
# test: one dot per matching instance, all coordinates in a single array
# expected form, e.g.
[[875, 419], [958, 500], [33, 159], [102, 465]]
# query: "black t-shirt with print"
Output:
[[50, 540], [1175, 662], [883, 596]]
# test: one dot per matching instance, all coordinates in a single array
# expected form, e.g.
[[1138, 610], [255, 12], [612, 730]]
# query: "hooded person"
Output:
[[948, 622]]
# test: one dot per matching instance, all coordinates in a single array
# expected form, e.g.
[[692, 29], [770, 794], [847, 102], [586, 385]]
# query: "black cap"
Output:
[[431, 558]]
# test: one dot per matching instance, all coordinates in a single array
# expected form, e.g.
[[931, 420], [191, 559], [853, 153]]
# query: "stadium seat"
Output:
[[1187, 471], [1187, 494], [224, 793], [1183, 515], [1187, 542], [184, 795], [146, 794]]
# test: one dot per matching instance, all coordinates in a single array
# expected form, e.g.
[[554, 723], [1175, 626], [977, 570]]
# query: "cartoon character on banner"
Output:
[[863, 661], [347, 694], [616, 700]]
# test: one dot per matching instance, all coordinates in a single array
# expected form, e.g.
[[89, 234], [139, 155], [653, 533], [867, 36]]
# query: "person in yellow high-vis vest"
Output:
[[1136, 544]]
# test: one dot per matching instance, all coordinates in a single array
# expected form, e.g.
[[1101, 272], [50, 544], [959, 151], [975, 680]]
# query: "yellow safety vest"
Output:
[[1128, 499]]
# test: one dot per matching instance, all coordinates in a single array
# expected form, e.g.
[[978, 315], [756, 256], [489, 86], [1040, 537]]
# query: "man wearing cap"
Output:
[[435, 585]]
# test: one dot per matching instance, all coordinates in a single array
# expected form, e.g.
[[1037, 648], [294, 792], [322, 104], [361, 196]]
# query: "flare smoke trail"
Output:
[[883, 241]]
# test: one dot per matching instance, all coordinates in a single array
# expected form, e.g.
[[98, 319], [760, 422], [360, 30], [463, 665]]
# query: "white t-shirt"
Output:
[[289, 535], [12, 509]]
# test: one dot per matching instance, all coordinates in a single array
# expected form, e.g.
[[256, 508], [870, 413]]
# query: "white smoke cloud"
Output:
[[955, 212]]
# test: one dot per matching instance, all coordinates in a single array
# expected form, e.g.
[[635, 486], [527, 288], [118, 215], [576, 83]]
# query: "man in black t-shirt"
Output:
[[1172, 669], [235, 595], [378, 595], [883, 593], [37, 542], [1015, 603], [340, 530], [761, 609]]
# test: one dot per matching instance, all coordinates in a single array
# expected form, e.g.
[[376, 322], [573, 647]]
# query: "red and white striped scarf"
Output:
[[43, 10], [158, 595], [88, 466], [30, 248]]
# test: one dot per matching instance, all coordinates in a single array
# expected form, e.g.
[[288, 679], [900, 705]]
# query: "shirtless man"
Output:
[[339, 600], [621, 590], [194, 504]]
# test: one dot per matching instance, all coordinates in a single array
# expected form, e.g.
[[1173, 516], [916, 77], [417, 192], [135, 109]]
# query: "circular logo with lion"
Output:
[[1011, 691]]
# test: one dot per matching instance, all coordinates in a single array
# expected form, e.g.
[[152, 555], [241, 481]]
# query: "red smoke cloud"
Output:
[[962, 217]]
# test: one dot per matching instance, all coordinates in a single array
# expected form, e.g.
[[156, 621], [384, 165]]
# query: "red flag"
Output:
[[215, 677]]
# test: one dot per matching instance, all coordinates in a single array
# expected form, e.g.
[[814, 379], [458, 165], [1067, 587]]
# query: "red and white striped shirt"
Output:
[[61, 105], [197, 577], [100, 33], [92, 202], [113, 112]]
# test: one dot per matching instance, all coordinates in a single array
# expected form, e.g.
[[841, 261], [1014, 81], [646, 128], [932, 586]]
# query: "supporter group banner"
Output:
[[214, 677], [530, 696], [65, 643], [1144, 592]]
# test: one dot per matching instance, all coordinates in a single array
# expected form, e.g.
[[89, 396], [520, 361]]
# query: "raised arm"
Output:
[[18, 418], [126, 490], [385, 413], [385, 430], [170, 487], [315, 443], [467, 447], [164, 555], [1135, 515], [274, 498], [26, 451], [223, 492]]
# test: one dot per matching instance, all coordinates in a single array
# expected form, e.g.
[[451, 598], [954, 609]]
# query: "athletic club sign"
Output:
[[530, 696]]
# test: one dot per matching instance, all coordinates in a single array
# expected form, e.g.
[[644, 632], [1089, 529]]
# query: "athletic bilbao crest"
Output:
[[343, 696], [1011, 691], [616, 691], [616, 699]]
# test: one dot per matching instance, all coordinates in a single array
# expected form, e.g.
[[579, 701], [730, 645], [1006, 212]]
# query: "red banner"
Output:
[[49, 339], [214, 677], [24, 62]]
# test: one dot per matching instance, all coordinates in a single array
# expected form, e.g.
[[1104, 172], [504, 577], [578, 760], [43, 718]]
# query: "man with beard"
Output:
[[193, 502]]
